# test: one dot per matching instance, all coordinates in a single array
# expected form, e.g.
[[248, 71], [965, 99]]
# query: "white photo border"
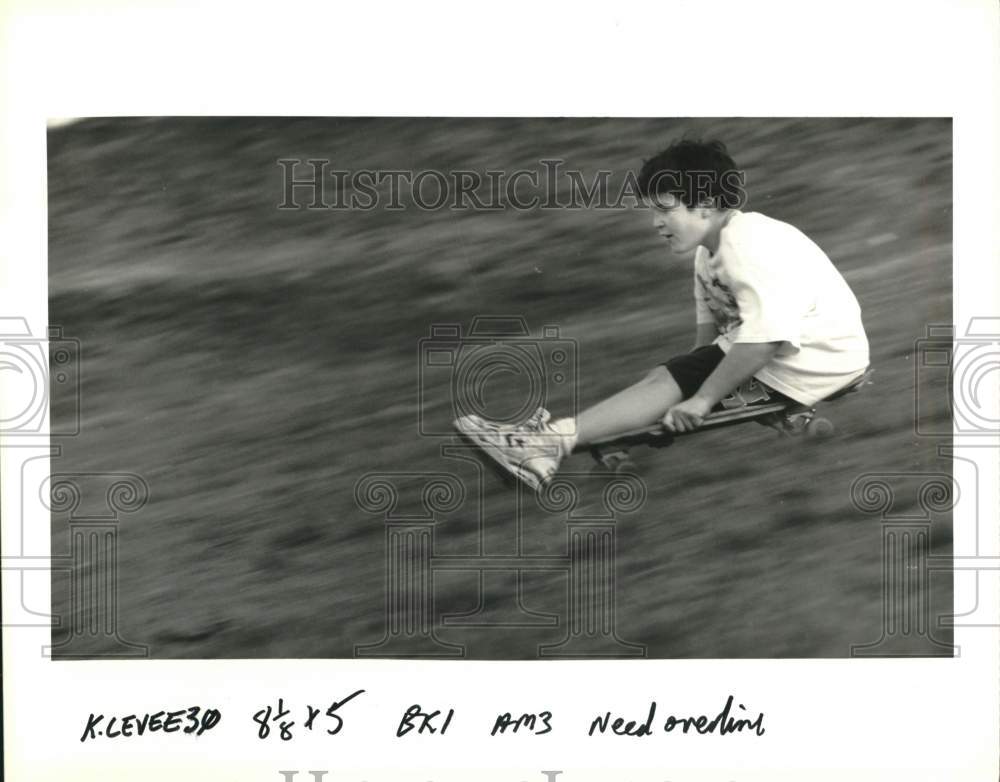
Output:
[[905, 719]]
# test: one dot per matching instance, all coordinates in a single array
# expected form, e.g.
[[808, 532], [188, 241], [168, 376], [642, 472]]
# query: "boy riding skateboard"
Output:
[[769, 305]]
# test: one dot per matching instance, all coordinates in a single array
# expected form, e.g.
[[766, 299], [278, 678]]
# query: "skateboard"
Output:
[[750, 402]]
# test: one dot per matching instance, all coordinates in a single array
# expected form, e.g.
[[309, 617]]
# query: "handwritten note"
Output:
[[284, 721]]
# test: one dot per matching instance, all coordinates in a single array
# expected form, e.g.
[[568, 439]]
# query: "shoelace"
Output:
[[537, 421]]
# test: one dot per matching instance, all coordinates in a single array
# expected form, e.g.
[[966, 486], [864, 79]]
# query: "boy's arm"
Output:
[[706, 334], [740, 363]]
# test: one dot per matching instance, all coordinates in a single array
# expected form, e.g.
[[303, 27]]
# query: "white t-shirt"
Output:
[[769, 282]]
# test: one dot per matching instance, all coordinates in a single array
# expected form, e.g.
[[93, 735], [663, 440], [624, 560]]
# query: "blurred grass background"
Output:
[[251, 364]]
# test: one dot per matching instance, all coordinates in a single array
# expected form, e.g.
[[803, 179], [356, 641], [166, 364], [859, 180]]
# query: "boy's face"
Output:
[[683, 228]]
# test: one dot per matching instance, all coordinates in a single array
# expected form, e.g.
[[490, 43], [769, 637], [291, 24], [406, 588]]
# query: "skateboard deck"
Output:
[[788, 417]]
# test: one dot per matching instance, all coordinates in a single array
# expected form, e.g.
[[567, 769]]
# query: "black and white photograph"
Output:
[[503, 388], [538, 393]]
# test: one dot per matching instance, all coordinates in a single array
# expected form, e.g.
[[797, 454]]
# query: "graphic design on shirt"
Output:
[[721, 302]]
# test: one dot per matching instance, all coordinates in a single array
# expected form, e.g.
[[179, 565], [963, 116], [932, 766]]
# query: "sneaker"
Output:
[[531, 451]]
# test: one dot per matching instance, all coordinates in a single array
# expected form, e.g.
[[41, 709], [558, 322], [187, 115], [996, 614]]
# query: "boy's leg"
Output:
[[645, 403], [533, 451], [636, 407]]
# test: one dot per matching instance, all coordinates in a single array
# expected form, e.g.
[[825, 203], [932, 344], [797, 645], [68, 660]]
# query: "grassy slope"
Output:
[[251, 364]]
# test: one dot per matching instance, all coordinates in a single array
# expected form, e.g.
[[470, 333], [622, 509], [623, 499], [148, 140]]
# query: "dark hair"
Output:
[[695, 172]]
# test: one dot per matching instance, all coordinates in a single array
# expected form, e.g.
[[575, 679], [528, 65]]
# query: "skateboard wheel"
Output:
[[819, 428], [616, 462]]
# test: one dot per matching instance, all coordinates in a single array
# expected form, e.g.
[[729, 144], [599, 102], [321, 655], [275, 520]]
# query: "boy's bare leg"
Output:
[[638, 406], [534, 451]]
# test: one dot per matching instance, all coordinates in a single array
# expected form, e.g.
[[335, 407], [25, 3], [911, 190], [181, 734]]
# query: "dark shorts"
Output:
[[690, 370]]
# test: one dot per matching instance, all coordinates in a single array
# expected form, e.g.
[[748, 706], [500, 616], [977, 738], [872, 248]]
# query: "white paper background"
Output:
[[860, 719]]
